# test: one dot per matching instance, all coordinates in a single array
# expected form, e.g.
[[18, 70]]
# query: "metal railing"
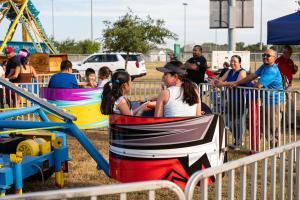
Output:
[[253, 121], [258, 119], [141, 90], [93, 192], [252, 177]]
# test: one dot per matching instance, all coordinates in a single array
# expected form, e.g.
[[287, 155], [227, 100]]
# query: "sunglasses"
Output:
[[265, 55]]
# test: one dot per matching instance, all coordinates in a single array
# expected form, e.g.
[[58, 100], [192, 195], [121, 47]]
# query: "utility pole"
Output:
[[184, 25], [92, 35], [231, 25], [261, 13], [53, 32]]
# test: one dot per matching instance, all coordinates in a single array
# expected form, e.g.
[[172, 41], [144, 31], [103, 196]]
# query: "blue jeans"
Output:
[[237, 121]]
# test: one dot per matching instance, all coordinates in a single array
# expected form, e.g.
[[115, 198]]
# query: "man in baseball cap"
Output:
[[9, 50], [12, 62]]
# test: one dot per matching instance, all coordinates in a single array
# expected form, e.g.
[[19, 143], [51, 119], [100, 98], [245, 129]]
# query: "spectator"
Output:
[[270, 78], [196, 66], [12, 62], [236, 111], [286, 65], [11, 65], [226, 67], [114, 96], [64, 79], [24, 74], [287, 68], [181, 97], [23, 53], [103, 76]]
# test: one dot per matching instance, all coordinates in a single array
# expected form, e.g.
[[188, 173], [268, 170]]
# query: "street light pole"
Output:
[[261, 13], [52, 1], [184, 37], [92, 35]]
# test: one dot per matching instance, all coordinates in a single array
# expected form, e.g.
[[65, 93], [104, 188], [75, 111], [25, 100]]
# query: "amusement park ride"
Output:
[[25, 13], [141, 148], [44, 56]]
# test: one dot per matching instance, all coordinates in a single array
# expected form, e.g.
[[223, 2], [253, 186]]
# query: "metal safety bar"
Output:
[[93, 192], [44, 104]]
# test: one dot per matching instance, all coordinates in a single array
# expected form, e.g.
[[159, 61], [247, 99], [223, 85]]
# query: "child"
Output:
[[90, 76], [103, 76], [181, 98], [114, 99]]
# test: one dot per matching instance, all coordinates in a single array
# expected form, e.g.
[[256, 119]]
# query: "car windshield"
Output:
[[133, 57]]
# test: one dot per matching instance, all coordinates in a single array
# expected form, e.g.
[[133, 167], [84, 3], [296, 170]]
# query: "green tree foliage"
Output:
[[133, 34], [71, 46], [88, 46]]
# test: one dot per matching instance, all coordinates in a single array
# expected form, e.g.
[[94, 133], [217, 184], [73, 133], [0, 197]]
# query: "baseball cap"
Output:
[[9, 50], [170, 67]]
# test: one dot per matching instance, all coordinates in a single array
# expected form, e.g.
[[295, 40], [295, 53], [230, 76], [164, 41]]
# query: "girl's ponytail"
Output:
[[190, 95], [107, 97], [112, 91]]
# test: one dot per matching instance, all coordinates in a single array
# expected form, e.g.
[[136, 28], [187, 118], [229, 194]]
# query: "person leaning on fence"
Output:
[[236, 101], [288, 68], [269, 78], [64, 79]]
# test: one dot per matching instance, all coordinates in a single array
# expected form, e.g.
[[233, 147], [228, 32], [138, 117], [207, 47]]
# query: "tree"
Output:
[[133, 34], [67, 46], [240, 46], [77, 47], [88, 46]]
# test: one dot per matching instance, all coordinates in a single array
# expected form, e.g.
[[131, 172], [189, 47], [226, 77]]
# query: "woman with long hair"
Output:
[[25, 73], [181, 97]]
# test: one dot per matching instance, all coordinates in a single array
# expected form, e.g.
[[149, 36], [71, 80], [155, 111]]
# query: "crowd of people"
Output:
[[16, 69], [181, 96], [275, 74]]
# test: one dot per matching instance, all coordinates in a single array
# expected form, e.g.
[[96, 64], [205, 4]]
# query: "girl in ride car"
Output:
[[114, 96], [103, 76], [180, 98]]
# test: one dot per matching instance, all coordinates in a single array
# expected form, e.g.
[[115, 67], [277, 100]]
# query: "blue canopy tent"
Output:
[[285, 30]]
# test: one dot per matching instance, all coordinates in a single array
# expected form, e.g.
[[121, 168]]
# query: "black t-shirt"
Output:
[[12, 63], [197, 76]]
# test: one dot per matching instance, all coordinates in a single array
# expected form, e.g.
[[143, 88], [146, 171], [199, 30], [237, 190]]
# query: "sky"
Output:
[[72, 18]]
